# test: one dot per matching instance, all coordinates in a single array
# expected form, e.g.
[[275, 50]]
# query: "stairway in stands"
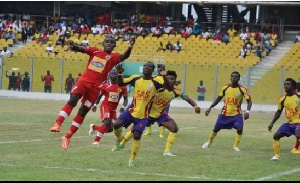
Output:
[[266, 64]]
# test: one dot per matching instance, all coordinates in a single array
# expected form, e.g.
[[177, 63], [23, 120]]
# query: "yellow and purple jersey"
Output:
[[144, 93], [291, 104], [233, 98], [162, 100]]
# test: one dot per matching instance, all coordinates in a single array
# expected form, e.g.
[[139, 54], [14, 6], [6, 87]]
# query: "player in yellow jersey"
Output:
[[159, 112], [290, 101], [145, 88], [231, 114]]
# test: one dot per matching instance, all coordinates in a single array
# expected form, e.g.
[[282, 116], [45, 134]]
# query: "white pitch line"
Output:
[[121, 172], [76, 137], [278, 175]]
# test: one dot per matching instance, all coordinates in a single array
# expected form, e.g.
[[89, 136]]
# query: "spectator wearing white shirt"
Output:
[[49, 48], [6, 53], [85, 42], [243, 36], [177, 46]]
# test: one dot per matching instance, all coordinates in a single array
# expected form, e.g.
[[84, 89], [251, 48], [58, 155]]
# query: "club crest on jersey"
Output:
[[296, 102], [149, 86], [107, 57], [97, 64], [238, 94], [119, 90]]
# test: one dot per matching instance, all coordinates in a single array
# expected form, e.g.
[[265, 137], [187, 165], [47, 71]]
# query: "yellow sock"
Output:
[[127, 137], [161, 131], [135, 147], [170, 141], [276, 147], [212, 135], [237, 140], [118, 133]]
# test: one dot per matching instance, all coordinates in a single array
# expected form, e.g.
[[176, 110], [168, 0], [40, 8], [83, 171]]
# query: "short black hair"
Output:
[[236, 72], [153, 65], [293, 82], [171, 73]]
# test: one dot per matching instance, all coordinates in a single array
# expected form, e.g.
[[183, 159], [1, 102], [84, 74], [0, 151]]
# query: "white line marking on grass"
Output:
[[76, 137], [120, 172], [278, 175]]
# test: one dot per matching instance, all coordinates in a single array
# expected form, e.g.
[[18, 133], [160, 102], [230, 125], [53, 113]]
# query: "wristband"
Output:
[[120, 74], [247, 111], [196, 106], [95, 105]]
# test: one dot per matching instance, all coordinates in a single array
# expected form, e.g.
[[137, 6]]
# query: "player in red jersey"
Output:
[[87, 87], [108, 115]]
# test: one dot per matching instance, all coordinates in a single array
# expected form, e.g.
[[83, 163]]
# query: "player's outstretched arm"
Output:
[[194, 104], [275, 118], [75, 47], [127, 53], [125, 102], [217, 100], [94, 108]]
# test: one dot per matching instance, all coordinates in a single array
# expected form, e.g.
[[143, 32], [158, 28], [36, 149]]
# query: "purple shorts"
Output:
[[138, 124], [162, 118], [229, 122], [289, 129]]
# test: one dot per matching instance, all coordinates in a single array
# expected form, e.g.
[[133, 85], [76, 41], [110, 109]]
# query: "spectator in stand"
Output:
[[70, 81], [94, 30], [258, 52], [60, 41], [85, 30], [257, 37], [206, 35], [184, 33], [225, 38], [45, 38], [266, 46], [243, 36], [243, 52], [24, 35], [177, 46], [12, 80], [11, 35], [273, 39], [49, 48], [37, 37], [85, 42], [19, 81], [48, 78], [196, 30], [169, 46], [218, 38], [156, 32], [231, 32], [168, 29], [249, 45], [160, 47], [6, 53]]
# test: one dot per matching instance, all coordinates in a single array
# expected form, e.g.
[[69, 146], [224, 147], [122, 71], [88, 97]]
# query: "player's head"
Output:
[[235, 77], [172, 76], [113, 76], [148, 68], [109, 44], [289, 85], [48, 72], [70, 75]]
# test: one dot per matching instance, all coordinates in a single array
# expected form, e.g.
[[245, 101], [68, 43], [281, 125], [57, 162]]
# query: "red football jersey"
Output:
[[99, 64], [112, 93]]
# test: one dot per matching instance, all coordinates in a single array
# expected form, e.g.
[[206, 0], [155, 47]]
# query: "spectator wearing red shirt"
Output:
[[19, 81], [112, 93], [48, 78], [100, 62]]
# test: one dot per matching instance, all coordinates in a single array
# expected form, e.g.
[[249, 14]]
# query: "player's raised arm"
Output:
[[127, 53], [75, 47], [120, 71]]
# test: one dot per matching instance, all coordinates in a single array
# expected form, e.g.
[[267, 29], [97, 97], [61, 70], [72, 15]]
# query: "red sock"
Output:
[[66, 110], [297, 144], [97, 139], [77, 121], [101, 129]]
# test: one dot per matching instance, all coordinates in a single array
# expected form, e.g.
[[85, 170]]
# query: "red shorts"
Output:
[[107, 112], [89, 92]]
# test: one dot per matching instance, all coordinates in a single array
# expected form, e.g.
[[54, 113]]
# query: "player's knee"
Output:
[[137, 135], [277, 136], [118, 124], [73, 100]]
